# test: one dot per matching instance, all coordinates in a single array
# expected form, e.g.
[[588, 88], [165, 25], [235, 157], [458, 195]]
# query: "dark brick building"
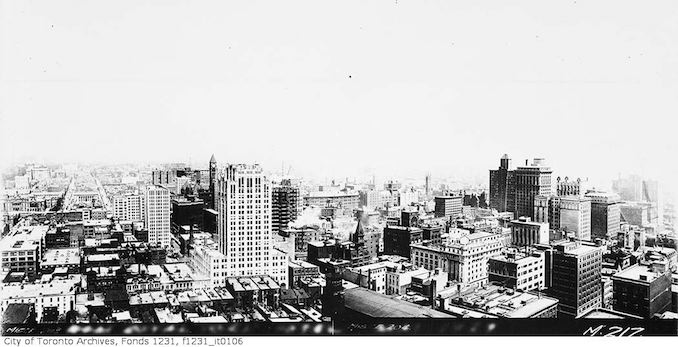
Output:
[[397, 240], [642, 290]]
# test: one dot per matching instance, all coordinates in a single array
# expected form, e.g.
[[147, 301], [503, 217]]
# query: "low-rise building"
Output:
[[68, 258], [372, 276], [361, 303], [209, 263], [499, 302], [21, 250], [397, 240], [429, 284], [642, 290], [448, 206], [399, 277], [299, 269], [51, 299], [517, 270], [347, 201]]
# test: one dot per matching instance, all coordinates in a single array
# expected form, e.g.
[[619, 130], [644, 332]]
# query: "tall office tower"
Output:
[[244, 230], [531, 181], [157, 216], [567, 187], [576, 278], [284, 205], [605, 214], [213, 177], [502, 186]]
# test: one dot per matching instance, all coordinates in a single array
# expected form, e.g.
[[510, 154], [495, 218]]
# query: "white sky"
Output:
[[439, 86]]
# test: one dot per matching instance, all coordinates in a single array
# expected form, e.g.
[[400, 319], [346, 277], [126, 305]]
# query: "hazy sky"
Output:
[[344, 88]]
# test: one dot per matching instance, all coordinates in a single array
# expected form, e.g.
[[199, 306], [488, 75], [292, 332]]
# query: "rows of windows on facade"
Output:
[[235, 243]]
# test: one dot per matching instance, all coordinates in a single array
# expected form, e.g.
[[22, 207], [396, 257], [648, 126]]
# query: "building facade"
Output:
[[531, 181], [397, 240], [605, 214], [284, 206], [448, 206], [157, 218], [525, 232], [129, 207], [464, 257], [502, 186], [518, 270], [244, 226], [576, 278], [642, 290]]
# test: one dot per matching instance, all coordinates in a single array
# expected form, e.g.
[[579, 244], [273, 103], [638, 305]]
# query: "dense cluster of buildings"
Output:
[[232, 243]]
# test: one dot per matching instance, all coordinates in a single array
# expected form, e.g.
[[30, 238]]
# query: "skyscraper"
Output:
[[213, 177], [243, 200], [531, 181], [157, 215], [502, 186]]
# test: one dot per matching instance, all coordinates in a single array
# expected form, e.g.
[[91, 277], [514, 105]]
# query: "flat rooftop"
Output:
[[331, 194], [377, 305], [301, 264], [53, 288], [503, 302], [637, 273], [374, 266], [61, 256]]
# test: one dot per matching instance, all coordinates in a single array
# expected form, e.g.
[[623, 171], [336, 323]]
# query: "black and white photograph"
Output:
[[310, 172]]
